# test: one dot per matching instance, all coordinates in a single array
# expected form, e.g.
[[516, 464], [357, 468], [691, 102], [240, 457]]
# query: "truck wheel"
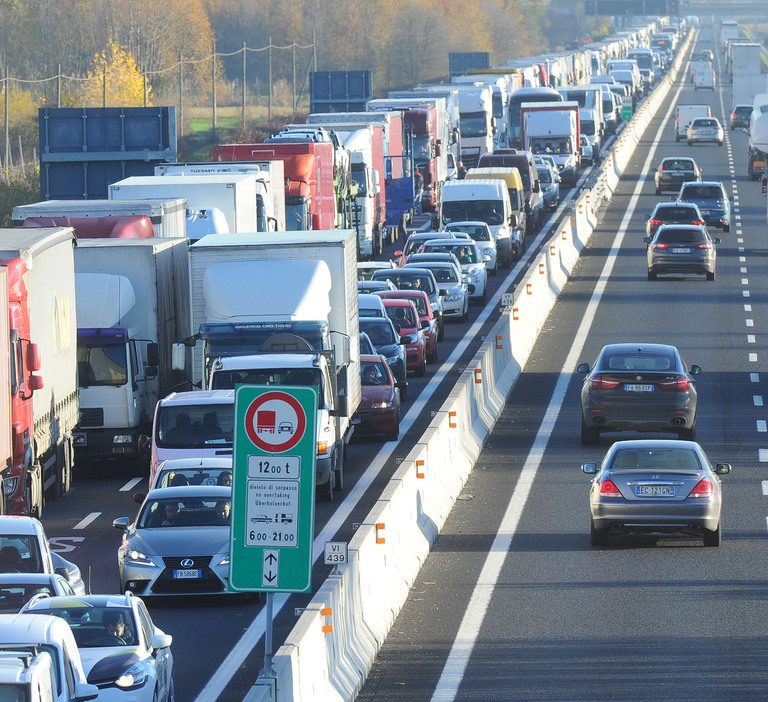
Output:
[[34, 491], [378, 242], [64, 475]]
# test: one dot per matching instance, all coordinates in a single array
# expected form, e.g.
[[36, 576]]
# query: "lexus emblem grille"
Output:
[[638, 377], [187, 562]]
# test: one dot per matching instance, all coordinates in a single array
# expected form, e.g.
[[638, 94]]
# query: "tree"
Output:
[[124, 82]]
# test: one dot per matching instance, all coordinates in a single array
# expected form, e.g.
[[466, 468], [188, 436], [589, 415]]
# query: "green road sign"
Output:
[[626, 111], [273, 489]]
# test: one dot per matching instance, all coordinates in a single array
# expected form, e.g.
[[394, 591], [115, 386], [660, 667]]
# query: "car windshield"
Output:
[[488, 211], [444, 274], [743, 110], [188, 511], [173, 477], [379, 331], [465, 254], [421, 305], [20, 553], [14, 596], [675, 214], [230, 379], [412, 281], [101, 361], [195, 426], [637, 362], [677, 164], [681, 236], [702, 192], [402, 316], [415, 243], [477, 232], [656, 459], [549, 145], [374, 374], [545, 175], [97, 626]]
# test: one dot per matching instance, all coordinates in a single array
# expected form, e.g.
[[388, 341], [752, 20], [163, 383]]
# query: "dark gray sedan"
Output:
[[674, 171], [638, 387], [656, 486], [673, 213], [681, 249]]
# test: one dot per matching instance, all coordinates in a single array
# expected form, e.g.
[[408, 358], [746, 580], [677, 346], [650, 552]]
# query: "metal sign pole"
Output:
[[268, 672]]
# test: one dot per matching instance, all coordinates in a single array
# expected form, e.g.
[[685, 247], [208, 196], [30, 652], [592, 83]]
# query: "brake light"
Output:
[[733, 114], [698, 222], [656, 222], [598, 382], [660, 247], [703, 488], [608, 489], [679, 384], [706, 247], [661, 167]]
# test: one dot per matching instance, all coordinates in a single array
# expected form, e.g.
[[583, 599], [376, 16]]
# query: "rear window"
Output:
[[656, 459], [681, 236], [743, 110], [637, 362], [404, 281], [401, 316], [678, 164], [675, 214], [444, 274], [702, 192], [19, 553], [704, 122]]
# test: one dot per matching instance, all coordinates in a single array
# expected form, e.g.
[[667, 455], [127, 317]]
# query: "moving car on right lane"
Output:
[[712, 200], [705, 129]]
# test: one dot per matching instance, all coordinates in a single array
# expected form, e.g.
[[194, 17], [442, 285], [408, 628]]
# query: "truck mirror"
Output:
[[36, 383], [33, 357], [150, 371], [144, 444], [438, 149], [536, 187], [178, 357], [153, 354], [455, 135], [341, 407], [513, 221]]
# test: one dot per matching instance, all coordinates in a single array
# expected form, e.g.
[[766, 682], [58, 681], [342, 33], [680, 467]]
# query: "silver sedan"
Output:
[[655, 486]]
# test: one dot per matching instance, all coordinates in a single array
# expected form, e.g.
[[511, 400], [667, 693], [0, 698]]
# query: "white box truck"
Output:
[[233, 195], [478, 125], [270, 185], [552, 128], [132, 304], [746, 87], [281, 308], [168, 217]]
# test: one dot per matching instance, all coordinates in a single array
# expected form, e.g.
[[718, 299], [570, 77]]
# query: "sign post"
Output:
[[273, 493]]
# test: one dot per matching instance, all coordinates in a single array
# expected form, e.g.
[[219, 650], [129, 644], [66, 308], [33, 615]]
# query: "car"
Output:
[[379, 408], [387, 343], [550, 186], [673, 213], [453, 289], [655, 486], [638, 387], [371, 286], [414, 243], [587, 153], [426, 318], [740, 116], [703, 55], [370, 305], [705, 129], [16, 589], [204, 470], [545, 158], [24, 548], [178, 543], [366, 347], [403, 315], [418, 279], [472, 262], [415, 260], [712, 200], [681, 248], [481, 233], [365, 269], [673, 171], [123, 653]]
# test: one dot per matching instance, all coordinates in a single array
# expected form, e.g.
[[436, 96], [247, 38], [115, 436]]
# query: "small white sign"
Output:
[[272, 513], [507, 299], [270, 568], [335, 553]]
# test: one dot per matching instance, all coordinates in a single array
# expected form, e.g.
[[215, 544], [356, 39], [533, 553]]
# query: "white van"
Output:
[[26, 673], [369, 305], [482, 200], [704, 79], [685, 114]]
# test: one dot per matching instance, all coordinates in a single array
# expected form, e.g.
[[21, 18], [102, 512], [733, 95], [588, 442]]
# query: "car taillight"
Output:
[[733, 115], [679, 384], [660, 247], [656, 222], [608, 489], [703, 488], [598, 382], [698, 222], [661, 167], [707, 247]]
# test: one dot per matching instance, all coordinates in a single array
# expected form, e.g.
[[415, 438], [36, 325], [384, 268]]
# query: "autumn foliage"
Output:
[[116, 67]]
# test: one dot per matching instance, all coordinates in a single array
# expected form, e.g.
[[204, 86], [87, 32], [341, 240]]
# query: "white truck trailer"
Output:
[[132, 304], [552, 128], [478, 125]]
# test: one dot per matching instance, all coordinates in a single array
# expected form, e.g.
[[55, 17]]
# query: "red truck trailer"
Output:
[[131, 227]]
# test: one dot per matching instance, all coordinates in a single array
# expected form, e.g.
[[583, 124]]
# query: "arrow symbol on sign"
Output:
[[270, 557], [269, 576], [270, 568]]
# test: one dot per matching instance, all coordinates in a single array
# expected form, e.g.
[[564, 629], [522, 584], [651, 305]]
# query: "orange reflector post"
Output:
[[452, 419], [529, 288], [328, 626], [515, 314], [551, 249], [380, 528], [478, 376], [541, 267], [500, 340], [563, 234], [420, 468]]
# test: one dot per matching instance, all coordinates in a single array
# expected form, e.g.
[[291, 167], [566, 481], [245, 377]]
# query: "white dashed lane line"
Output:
[[87, 520], [132, 483], [753, 358], [754, 377], [762, 455], [761, 426], [765, 487]]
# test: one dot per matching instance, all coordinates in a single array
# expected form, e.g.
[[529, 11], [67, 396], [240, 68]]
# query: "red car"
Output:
[[379, 409], [426, 318], [404, 316]]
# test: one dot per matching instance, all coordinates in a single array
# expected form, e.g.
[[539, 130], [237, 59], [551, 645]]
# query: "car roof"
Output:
[[684, 227], [201, 462], [181, 491], [473, 222], [199, 397], [413, 271], [371, 358], [716, 183], [23, 628], [23, 578], [678, 158], [453, 242], [397, 302], [649, 443], [651, 348], [676, 203], [80, 600], [16, 524]]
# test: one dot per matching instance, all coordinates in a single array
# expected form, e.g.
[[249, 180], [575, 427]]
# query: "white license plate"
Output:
[[654, 491], [634, 387], [681, 251], [187, 574]]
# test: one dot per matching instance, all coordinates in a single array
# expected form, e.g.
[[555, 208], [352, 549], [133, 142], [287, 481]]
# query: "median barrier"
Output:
[[330, 650]]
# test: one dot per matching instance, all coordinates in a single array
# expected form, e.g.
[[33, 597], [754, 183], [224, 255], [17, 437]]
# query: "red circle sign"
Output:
[[275, 422]]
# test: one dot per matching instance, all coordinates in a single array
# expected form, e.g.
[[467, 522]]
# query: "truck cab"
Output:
[[478, 125]]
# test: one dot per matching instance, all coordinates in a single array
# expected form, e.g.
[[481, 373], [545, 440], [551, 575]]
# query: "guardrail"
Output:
[[333, 645]]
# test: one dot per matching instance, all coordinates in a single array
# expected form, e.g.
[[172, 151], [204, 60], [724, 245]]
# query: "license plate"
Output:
[[654, 491], [80, 439], [187, 574], [681, 251], [635, 387]]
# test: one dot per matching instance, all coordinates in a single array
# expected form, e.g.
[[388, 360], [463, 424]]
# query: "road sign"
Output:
[[335, 553], [273, 489]]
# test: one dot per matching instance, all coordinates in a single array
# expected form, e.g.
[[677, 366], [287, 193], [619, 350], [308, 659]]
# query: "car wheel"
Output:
[[325, 493], [440, 331], [433, 358], [597, 537], [652, 275], [713, 538], [588, 436], [711, 276], [422, 369], [688, 434]]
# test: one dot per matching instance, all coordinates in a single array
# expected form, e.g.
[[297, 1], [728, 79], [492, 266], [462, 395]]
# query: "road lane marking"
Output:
[[743, 269], [745, 293], [764, 484], [742, 259], [747, 308], [750, 338], [761, 426], [757, 400], [762, 455], [745, 281], [750, 322], [132, 483], [455, 665], [92, 517], [754, 377], [753, 358]]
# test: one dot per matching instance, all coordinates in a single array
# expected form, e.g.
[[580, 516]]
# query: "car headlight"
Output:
[[132, 678], [488, 251], [138, 558], [9, 485], [384, 404], [224, 561], [122, 439]]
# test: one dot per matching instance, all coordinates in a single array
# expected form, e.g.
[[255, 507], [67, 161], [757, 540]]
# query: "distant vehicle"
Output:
[[426, 318], [550, 186], [472, 263], [414, 242], [370, 305], [705, 129], [674, 171], [193, 471], [657, 487], [453, 288], [587, 152], [685, 114], [388, 344], [379, 409], [740, 116], [481, 233], [704, 80], [673, 213], [679, 248], [365, 269], [712, 200], [405, 319], [366, 347], [417, 279]]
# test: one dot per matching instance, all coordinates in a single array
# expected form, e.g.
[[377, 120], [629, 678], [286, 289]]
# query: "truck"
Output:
[[117, 219], [500, 86], [728, 33], [478, 125], [460, 62], [310, 199], [685, 114], [516, 100], [280, 308], [270, 186], [41, 345], [746, 87], [757, 154], [27, 673], [591, 118], [232, 194], [553, 129], [132, 304], [744, 59]]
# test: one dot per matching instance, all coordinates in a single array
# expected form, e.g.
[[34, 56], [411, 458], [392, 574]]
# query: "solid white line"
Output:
[[453, 671], [753, 358], [764, 484], [132, 483], [242, 649], [762, 455], [757, 400], [87, 520], [754, 377]]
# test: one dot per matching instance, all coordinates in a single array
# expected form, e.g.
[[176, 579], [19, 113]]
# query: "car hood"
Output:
[[450, 288], [107, 663], [373, 394], [389, 350], [179, 541]]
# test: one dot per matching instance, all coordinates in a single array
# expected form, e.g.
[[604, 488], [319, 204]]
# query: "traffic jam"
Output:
[[212, 366]]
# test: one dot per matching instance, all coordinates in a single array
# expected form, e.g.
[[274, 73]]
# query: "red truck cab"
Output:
[[128, 227], [422, 124]]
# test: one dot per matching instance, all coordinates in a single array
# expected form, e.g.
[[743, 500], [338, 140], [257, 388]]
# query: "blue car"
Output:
[[712, 200], [550, 186]]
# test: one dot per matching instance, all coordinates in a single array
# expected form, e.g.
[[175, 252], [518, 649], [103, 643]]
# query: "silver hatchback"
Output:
[[705, 129], [655, 486]]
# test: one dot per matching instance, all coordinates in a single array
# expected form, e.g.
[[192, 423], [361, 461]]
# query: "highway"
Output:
[[513, 603]]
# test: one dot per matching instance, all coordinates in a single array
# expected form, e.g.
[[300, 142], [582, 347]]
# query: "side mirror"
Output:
[[583, 368], [161, 640], [514, 220], [722, 469], [144, 444], [138, 497], [425, 324], [33, 357], [438, 149], [153, 354], [716, 240], [62, 571], [85, 692], [695, 370], [36, 382], [589, 468], [178, 357], [647, 240], [341, 407], [121, 523], [151, 371], [405, 340], [398, 253]]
